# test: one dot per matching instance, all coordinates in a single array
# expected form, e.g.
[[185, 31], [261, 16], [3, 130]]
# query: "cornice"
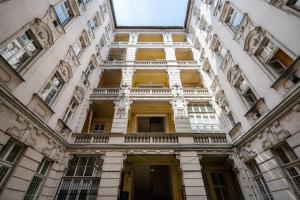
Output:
[[14, 104], [289, 101]]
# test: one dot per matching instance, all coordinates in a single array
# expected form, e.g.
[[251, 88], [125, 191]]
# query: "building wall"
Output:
[[40, 130]]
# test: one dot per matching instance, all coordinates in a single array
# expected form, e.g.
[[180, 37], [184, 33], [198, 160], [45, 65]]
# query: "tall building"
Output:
[[93, 110]]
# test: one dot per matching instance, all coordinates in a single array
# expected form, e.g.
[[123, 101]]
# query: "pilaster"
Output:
[[179, 105], [192, 176], [122, 105], [111, 175]]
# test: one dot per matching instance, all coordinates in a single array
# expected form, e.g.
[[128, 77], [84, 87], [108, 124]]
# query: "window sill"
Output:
[[284, 77], [63, 129], [235, 132], [254, 107], [9, 77], [39, 107]]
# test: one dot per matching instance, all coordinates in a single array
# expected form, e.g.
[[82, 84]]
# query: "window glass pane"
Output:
[[14, 153], [81, 166], [45, 167], [34, 186], [62, 13]]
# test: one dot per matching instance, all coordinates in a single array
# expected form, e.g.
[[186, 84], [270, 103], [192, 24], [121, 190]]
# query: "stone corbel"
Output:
[[43, 33], [63, 129]]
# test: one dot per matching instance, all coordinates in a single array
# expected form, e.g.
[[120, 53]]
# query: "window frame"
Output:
[[259, 179], [4, 153], [294, 163], [265, 62], [57, 91], [228, 17], [66, 9], [42, 178], [33, 40], [71, 110]]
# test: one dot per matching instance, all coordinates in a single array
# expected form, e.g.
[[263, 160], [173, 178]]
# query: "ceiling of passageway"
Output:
[[150, 13]]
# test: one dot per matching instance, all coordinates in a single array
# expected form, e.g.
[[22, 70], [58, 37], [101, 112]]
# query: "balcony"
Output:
[[151, 139], [150, 92]]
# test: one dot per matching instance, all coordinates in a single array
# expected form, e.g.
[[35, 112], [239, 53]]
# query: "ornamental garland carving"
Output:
[[253, 40], [180, 108], [234, 75], [71, 57], [65, 70], [79, 94], [43, 33]]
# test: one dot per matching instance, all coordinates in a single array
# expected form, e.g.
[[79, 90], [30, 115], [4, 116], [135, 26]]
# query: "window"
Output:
[[220, 50], [260, 181], [151, 124], [51, 89], [84, 2], [234, 19], [246, 92], [229, 115], [275, 58], [9, 154], [94, 23], [290, 163], [78, 45], [99, 127], [63, 12], [88, 70], [20, 51], [202, 118], [38, 179], [70, 110], [294, 4], [81, 180]]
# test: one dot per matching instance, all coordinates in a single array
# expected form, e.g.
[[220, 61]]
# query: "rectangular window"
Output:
[[290, 163], [234, 19], [88, 70], [202, 118], [51, 89], [38, 180], [274, 57], [9, 154], [78, 45], [85, 2], [221, 50], [70, 111], [82, 179], [260, 181], [99, 127], [94, 23], [63, 12], [246, 92], [20, 51], [230, 118]]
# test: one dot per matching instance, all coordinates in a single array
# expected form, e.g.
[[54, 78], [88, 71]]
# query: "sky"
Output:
[[150, 12]]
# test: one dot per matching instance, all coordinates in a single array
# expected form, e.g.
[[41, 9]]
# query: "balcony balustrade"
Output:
[[149, 92], [150, 138], [151, 62], [151, 44], [152, 92]]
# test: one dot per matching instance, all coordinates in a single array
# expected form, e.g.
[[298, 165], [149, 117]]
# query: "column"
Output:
[[133, 38], [181, 119], [111, 176], [170, 55], [122, 105], [167, 38], [192, 176]]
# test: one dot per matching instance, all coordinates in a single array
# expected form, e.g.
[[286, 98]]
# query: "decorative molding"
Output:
[[43, 33]]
